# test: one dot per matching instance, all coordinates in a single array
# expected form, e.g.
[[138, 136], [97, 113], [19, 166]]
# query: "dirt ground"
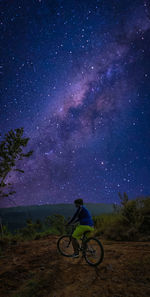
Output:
[[36, 268]]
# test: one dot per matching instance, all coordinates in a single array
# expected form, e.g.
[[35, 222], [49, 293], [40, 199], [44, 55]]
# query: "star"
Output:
[[77, 79]]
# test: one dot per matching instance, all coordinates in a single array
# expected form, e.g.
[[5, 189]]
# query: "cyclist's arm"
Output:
[[75, 217]]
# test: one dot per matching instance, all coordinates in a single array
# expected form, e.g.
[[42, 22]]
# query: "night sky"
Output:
[[76, 75]]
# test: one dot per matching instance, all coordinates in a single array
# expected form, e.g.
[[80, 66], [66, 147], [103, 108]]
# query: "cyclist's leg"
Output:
[[75, 245], [81, 229], [78, 232], [75, 242], [91, 229]]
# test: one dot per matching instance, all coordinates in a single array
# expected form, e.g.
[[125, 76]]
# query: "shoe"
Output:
[[75, 256]]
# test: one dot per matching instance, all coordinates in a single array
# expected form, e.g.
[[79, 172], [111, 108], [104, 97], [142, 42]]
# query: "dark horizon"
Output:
[[86, 203]]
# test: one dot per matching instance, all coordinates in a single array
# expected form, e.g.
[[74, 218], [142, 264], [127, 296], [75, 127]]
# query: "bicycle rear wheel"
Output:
[[64, 246], [94, 252]]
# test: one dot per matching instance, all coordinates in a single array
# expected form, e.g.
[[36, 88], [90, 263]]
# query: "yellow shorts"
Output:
[[78, 232]]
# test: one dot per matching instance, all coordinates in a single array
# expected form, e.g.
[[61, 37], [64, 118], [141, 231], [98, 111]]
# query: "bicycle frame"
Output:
[[83, 238]]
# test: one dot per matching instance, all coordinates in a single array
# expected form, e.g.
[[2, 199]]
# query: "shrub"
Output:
[[132, 214], [56, 222], [130, 223], [111, 226]]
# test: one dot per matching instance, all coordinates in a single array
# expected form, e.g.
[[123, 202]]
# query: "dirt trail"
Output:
[[36, 269]]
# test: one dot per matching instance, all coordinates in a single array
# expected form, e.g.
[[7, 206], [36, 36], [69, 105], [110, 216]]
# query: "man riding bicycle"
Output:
[[86, 224]]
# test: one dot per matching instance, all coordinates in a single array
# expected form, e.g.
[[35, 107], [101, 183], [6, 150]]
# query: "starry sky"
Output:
[[76, 75]]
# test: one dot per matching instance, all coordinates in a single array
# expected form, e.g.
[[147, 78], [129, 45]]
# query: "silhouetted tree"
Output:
[[123, 198], [10, 152], [116, 208]]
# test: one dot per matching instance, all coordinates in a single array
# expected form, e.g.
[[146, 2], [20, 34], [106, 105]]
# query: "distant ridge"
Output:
[[15, 217]]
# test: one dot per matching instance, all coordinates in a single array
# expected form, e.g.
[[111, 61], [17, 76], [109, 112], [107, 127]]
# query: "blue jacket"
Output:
[[83, 216]]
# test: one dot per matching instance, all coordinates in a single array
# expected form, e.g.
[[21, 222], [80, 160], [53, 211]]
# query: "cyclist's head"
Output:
[[78, 202]]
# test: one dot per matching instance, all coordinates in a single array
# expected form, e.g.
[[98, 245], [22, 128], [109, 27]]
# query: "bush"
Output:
[[111, 226], [145, 212], [103, 221], [54, 225], [56, 222], [132, 214], [6, 232], [131, 222]]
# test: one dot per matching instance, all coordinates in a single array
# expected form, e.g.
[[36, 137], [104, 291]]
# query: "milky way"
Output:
[[76, 77]]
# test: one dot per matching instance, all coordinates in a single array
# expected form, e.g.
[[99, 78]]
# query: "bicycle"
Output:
[[89, 247]]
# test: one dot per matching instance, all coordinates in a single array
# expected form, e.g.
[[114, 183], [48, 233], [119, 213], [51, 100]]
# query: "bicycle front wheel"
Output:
[[94, 252], [64, 246]]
